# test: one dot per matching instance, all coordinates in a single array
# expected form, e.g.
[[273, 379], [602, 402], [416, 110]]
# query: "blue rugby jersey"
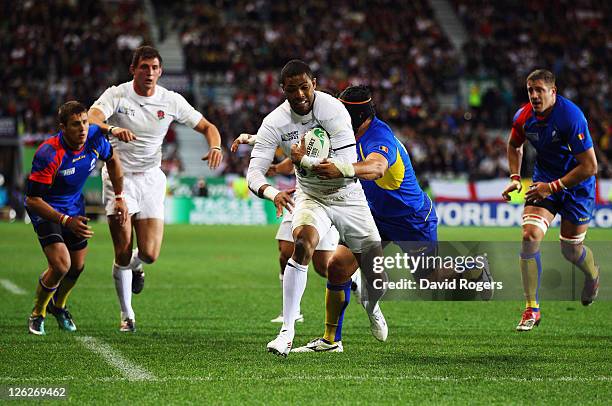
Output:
[[397, 193], [556, 139], [65, 171]]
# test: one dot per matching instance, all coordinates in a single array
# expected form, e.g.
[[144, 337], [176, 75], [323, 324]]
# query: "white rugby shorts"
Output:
[[329, 242], [351, 216], [144, 193]]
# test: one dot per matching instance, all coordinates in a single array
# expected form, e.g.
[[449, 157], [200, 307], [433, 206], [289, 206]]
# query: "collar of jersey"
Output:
[[298, 118], [154, 100], [67, 148]]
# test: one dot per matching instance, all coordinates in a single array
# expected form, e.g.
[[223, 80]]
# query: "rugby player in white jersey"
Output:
[[139, 113], [324, 250], [318, 204]]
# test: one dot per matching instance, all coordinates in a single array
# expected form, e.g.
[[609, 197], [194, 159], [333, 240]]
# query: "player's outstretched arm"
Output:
[[97, 117], [115, 173], [214, 156]]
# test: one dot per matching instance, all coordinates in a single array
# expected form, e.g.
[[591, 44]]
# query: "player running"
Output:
[[56, 206], [319, 203], [402, 211], [139, 114], [563, 183], [324, 250]]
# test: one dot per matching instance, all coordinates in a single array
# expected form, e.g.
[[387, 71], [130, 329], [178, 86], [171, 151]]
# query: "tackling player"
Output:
[[402, 211], [139, 114], [563, 183], [56, 206], [319, 203]]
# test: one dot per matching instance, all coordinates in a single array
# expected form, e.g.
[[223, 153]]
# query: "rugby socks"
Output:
[[123, 284], [337, 298], [531, 273], [42, 298], [586, 263], [65, 287], [136, 262], [294, 283]]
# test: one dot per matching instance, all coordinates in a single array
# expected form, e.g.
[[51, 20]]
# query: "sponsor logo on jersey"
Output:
[[126, 110], [78, 158], [293, 135], [67, 172]]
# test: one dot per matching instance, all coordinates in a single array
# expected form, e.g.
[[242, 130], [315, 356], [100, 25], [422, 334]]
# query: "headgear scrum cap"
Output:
[[358, 102]]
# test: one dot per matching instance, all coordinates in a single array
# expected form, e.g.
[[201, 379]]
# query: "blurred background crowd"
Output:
[[452, 107]]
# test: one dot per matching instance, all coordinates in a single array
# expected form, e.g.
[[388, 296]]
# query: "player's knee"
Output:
[[337, 271], [303, 250], [60, 265], [148, 257], [571, 247], [531, 235]]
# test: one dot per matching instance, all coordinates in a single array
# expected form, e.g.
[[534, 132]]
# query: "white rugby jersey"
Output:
[[148, 118], [283, 128]]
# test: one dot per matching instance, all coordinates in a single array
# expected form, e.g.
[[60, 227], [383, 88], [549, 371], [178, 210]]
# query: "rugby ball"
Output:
[[317, 143]]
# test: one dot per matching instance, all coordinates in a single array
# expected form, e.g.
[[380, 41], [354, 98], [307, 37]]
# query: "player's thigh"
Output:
[[310, 221], [130, 193], [58, 257], [152, 192], [343, 258], [356, 226], [149, 235]]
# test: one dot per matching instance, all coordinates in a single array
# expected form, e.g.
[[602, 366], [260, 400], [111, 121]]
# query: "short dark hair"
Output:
[[295, 67], [68, 109], [145, 52], [542, 74]]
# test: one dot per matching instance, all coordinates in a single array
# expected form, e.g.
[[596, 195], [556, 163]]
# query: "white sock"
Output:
[[136, 262], [123, 283], [280, 277], [294, 283]]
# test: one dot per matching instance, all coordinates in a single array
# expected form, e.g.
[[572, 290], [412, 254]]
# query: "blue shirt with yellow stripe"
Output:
[[398, 192], [402, 211]]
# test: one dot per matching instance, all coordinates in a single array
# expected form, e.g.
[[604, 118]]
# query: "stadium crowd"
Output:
[[398, 49]]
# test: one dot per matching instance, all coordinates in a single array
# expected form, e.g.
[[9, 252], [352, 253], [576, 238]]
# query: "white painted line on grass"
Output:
[[11, 287], [131, 371], [213, 378]]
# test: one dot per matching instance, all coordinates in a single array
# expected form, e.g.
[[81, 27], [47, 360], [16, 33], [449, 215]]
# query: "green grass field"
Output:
[[203, 323]]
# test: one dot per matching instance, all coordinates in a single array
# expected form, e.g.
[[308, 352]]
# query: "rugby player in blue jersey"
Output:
[[56, 206], [563, 183], [403, 212]]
